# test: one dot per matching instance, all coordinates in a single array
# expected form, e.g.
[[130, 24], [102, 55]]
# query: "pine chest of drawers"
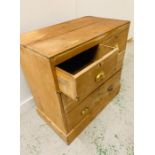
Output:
[[74, 70]]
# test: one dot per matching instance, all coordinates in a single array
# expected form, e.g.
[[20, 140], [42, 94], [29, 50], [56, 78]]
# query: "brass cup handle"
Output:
[[100, 76], [85, 111]]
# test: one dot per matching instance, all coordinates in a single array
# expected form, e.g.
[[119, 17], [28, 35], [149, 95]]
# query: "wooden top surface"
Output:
[[54, 40]]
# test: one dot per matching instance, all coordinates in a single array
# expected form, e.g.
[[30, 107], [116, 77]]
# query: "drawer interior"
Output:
[[89, 68], [82, 60]]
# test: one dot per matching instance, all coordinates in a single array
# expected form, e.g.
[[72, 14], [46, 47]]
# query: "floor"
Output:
[[110, 133]]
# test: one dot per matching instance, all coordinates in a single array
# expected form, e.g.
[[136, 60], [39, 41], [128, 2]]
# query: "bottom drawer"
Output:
[[89, 104]]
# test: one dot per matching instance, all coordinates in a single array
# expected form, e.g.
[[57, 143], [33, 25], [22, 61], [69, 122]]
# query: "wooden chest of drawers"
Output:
[[74, 70]]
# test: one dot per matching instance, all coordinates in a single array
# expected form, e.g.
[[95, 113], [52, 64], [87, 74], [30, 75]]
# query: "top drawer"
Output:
[[119, 39], [80, 75]]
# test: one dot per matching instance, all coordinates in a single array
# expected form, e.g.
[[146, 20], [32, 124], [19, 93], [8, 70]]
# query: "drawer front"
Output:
[[119, 39], [78, 111], [81, 84], [120, 59]]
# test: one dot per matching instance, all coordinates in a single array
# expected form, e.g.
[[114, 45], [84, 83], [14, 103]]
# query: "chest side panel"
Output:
[[37, 70]]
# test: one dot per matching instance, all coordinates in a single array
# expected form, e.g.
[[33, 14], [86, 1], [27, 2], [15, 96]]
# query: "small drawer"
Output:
[[79, 111], [118, 39], [80, 75]]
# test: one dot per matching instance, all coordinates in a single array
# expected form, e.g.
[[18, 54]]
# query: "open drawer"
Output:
[[79, 76]]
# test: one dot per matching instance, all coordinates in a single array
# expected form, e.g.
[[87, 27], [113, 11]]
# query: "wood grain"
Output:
[[52, 46], [81, 84], [56, 30], [103, 39], [119, 39], [44, 50], [100, 103], [39, 75], [90, 116], [70, 105]]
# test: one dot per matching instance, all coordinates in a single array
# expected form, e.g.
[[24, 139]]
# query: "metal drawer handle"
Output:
[[100, 76], [85, 111]]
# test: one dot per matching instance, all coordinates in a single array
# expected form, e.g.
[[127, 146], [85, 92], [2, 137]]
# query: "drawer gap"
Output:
[[80, 61]]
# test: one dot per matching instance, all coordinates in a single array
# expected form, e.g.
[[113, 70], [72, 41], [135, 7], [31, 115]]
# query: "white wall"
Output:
[[39, 13], [122, 9]]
